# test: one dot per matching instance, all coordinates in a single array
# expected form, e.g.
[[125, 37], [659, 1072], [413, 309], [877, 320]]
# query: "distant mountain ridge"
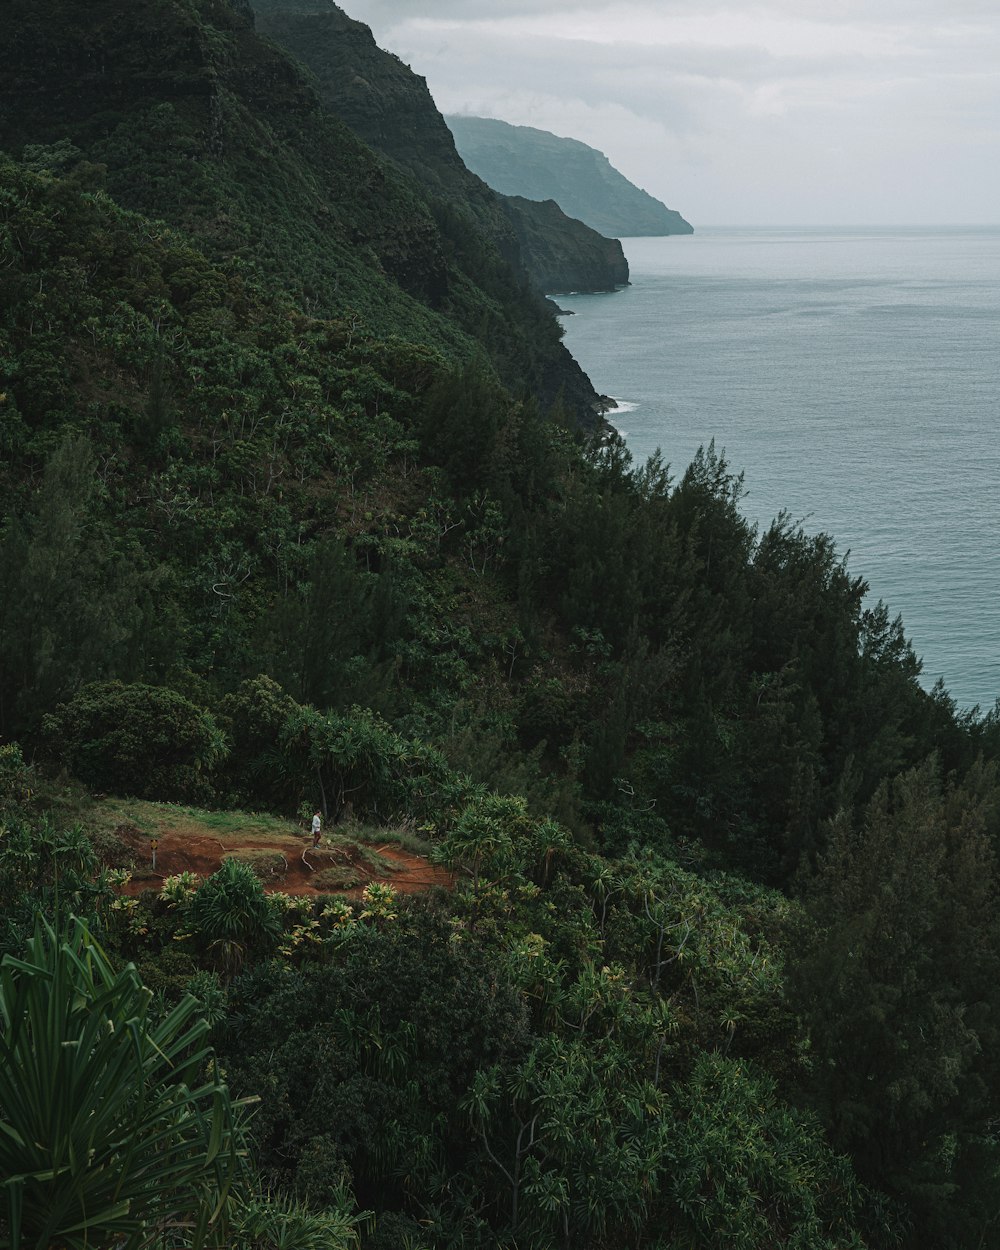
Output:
[[520, 160]]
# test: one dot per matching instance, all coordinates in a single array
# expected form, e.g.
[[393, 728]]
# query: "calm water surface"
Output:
[[854, 375]]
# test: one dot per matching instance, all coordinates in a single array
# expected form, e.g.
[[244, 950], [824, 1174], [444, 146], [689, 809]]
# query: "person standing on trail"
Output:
[[316, 827]]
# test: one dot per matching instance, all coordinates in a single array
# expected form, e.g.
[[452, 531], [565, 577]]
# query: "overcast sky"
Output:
[[787, 112]]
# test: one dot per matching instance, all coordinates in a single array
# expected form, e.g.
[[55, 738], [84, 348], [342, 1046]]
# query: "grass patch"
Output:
[[405, 839], [404, 836], [336, 877], [235, 824], [265, 864], [156, 819]]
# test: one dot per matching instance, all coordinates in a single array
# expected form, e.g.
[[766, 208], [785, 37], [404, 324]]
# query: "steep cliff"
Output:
[[180, 110], [563, 254], [390, 107], [519, 160], [381, 99]]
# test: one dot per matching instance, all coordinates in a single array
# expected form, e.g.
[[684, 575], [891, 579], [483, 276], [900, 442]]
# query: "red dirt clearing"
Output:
[[193, 852]]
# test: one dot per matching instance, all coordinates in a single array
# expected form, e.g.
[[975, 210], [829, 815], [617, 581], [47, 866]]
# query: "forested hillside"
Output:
[[300, 511], [183, 113]]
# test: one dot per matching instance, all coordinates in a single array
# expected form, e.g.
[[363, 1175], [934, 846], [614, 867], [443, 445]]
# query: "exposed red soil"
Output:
[[195, 852]]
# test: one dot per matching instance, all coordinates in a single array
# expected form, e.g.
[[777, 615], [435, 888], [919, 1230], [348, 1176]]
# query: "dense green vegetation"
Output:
[[179, 111], [720, 967]]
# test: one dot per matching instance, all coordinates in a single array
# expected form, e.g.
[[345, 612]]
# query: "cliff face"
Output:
[[390, 108], [562, 254], [182, 111], [379, 97], [519, 160]]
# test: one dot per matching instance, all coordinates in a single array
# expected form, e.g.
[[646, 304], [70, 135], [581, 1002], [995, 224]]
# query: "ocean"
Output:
[[853, 375]]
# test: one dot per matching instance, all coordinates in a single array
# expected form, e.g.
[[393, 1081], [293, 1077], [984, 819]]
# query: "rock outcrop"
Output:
[[563, 254]]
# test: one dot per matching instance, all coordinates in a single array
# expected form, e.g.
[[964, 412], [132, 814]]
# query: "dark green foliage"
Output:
[[75, 605], [288, 520], [260, 462], [17, 780], [460, 426], [252, 718], [356, 758], [43, 867], [362, 1063], [898, 976], [330, 644], [736, 1161], [285, 187], [527, 1066], [147, 741]]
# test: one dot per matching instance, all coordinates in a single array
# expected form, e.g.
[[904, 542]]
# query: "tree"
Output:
[[252, 717], [137, 739], [73, 608], [897, 979], [742, 1169], [355, 757], [328, 643]]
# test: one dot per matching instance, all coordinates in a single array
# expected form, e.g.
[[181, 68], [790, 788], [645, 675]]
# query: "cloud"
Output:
[[394, 11], [736, 113]]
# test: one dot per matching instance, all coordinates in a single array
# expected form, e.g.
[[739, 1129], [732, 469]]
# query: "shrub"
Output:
[[180, 889], [147, 741], [15, 778], [117, 1125]]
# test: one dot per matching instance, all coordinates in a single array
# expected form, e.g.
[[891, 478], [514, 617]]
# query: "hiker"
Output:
[[316, 826]]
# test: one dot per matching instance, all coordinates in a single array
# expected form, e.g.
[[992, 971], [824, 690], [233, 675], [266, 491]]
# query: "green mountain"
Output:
[[520, 160], [288, 521], [389, 106]]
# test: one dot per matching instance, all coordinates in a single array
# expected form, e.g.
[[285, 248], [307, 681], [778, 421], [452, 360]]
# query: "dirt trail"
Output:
[[195, 851]]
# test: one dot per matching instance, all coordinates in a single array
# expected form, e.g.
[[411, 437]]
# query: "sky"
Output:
[[853, 112]]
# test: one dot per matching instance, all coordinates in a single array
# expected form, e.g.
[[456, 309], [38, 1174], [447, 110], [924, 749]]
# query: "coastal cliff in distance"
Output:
[[520, 160], [391, 109], [563, 254]]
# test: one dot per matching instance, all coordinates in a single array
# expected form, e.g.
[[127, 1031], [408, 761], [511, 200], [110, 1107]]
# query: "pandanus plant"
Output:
[[115, 1129], [232, 917]]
